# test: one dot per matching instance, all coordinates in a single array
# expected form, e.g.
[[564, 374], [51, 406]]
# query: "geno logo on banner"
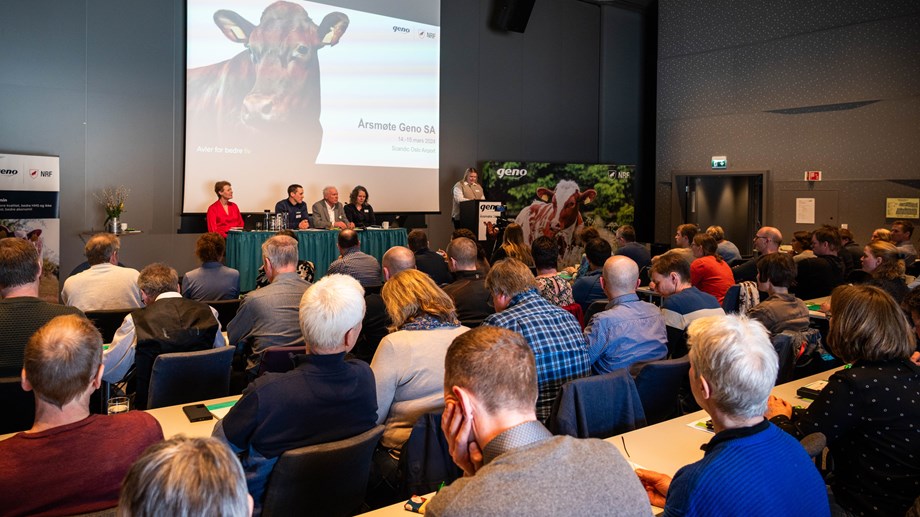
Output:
[[8, 172], [516, 173]]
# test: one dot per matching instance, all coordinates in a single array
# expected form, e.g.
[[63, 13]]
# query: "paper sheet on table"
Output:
[[700, 425]]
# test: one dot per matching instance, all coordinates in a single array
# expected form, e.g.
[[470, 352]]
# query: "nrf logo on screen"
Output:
[[35, 173]]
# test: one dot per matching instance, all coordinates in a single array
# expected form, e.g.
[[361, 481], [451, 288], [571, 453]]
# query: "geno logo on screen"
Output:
[[397, 28], [516, 173], [8, 172]]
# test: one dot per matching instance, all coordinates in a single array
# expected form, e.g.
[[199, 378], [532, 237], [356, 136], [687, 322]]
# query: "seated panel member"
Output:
[[750, 467], [294, 209], [328, 212], [224, 214], [325, 398], [513, 465], [70, 462], [358, 210]]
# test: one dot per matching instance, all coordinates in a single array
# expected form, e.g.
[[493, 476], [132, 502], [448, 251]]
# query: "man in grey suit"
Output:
[[328, 212]]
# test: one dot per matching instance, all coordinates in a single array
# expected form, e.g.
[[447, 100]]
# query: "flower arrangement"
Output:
[[113, 201]]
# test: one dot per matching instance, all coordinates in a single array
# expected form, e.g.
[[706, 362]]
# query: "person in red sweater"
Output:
[[224, 214], [709, 272], [70, 461]]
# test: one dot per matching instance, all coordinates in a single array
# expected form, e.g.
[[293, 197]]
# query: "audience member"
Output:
[[864, 412], [682, 302], [354, 262], [682, 239], [587, 287], [911, 306], [781, 310], [801, 246], [732, 370], [767, 240], [902, 231], [513, 246], [325, 398], [881, 234], [882, 268], [168, 323], [294, 209], [819, 276], [850, 252], [305, 269], [376, 320], [429, 262], [213, 280], [22, 312], [709, 272], [409, 363], [267, 317], [329, 212], [185, 477], [105, 285], [490, 385], [550, 283], [468, 290], [70, 462], [482, 260], [553, 334], [628, 330], [358, 210], [725, 248], [627, 245]]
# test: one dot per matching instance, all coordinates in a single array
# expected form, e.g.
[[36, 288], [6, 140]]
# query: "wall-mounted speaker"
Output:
[[512, 15]]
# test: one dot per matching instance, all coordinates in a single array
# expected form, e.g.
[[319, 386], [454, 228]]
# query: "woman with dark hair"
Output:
[[224, 214], [213, 280], [358, 210], [513, 246], [550, 283], [801, 246], [709, 272], [882, 267], [781, 310], [870, 412]]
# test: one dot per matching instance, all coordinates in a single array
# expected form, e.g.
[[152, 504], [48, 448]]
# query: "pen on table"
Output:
[[623, 438]]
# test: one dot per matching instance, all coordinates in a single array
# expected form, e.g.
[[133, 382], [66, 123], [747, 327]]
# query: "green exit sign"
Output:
[[719, 162]]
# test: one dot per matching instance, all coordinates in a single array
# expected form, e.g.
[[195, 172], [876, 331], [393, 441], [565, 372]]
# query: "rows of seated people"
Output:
[[488, 343]]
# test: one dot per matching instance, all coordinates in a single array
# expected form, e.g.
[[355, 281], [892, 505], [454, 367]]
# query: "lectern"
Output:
[[475, 213]]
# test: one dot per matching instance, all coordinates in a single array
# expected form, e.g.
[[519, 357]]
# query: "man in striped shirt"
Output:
[[355, 263]]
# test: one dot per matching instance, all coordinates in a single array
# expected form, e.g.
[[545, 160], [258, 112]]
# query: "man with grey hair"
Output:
[[105, 285], [325, 398], [732, 370], [267, 317], [70, 462], [185, 476], [468, 290], [168, 323], [628, 330], [329, 212]]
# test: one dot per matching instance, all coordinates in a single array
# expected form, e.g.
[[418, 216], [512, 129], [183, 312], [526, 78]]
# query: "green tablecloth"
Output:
[[244, 249]]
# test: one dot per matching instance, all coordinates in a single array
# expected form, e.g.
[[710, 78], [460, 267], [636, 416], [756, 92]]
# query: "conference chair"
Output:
[[279, 359], [659, 385], [328, 479], [183, 377], [226, 310], [108, 321], [16, 405], [597, 407], [796, 349], [425, 461]]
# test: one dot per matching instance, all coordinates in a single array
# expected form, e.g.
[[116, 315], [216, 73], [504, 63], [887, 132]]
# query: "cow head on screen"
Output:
[[565, 201], [282, 50]]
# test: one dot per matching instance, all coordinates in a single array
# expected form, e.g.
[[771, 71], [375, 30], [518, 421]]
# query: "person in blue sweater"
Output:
[[750, 467]]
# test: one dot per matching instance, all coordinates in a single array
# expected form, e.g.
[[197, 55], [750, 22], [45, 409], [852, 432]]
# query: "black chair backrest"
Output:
[[659, 384], [279, 359], [108, 321], [226, 310], [425, 460], [16, 405], [597, 407], [328, 479], [184, 377], [732, 299]]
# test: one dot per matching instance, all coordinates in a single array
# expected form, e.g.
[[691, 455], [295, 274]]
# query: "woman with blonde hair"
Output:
[[409, 363], [882, 267], [513, 246], [868, 412]]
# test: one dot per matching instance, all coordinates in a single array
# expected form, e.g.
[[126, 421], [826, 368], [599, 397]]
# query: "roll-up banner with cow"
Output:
[[558, 199], [30, 189]]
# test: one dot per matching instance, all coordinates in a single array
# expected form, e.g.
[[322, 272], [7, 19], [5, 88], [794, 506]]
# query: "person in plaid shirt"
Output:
[[554, 334]]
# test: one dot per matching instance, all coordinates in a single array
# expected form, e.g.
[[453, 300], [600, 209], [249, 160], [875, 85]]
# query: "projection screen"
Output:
[[339, 92]]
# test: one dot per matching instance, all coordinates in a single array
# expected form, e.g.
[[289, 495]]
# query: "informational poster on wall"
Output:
[[30, 189], [902, 208]]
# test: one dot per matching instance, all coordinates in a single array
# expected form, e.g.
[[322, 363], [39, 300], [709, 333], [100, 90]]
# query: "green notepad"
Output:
[[221, 405]]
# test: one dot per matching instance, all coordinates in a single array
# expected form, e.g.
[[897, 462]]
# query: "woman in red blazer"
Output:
[[224, 214]]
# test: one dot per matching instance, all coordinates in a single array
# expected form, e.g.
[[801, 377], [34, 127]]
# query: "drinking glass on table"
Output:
[[119, 405]]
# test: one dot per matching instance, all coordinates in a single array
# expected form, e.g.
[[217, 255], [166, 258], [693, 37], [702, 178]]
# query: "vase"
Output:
[[113, 225]]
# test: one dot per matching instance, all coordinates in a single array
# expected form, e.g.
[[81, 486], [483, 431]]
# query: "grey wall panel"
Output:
[[621, 79]]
